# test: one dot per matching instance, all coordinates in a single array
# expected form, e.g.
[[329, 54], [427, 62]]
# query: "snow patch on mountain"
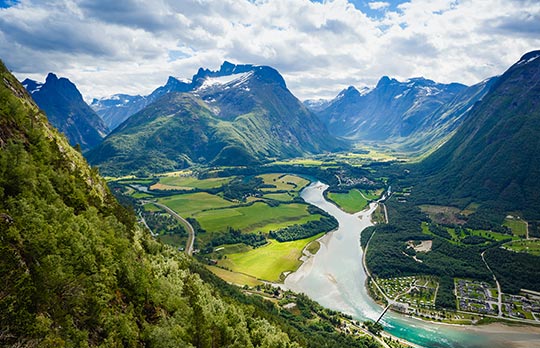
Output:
[[527, 61], [365, 90], [229, 80]]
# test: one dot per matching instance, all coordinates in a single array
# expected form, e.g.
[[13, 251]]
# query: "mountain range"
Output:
[[67, 110], [415, 114], [239, 115], [494, 156], [116, 109]]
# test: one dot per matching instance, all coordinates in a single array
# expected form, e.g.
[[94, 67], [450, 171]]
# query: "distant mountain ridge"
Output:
[[415, 114], [494, 156], [67, 110], [239, 115], [116, 109], [391, 109]]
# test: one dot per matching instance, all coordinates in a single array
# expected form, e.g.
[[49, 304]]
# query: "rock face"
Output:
[[67, 110], [241, 114], [494, 156]]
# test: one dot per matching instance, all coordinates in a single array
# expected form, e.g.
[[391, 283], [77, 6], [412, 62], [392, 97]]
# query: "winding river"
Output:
[[335, 278]]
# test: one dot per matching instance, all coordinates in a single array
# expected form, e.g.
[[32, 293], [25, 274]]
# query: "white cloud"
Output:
[[131, 46], [378, 5]]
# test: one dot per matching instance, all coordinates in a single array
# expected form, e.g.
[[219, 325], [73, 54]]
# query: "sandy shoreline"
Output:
[[307, 260]]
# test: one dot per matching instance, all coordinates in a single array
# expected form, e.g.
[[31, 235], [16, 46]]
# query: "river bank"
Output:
[[335, 278]]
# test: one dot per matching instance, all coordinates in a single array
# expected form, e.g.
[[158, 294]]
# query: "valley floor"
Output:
[[476, 301]]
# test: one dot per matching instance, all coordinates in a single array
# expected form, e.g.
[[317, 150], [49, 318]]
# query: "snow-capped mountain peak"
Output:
[[230, 80]]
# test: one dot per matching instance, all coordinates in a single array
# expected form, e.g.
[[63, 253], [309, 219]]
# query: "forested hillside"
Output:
[[493, 157], [77, 270]]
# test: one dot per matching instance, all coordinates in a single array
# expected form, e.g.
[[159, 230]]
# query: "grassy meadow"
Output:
[[525, 246], [270, 261], [188, 182], [234, 278], [353, 201], [283, 182], [256, 217], [518, 227], [188, 204], [282, 197]]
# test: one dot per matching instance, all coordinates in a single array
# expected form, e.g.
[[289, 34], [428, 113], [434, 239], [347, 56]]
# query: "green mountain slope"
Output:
[[77, 271], [238, 119], [495, 155]]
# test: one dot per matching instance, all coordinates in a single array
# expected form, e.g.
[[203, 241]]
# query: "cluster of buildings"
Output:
[[477, 297], [480, 297], [516, 306]]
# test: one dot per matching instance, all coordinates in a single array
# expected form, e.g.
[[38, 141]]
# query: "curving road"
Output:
[[191, 231]]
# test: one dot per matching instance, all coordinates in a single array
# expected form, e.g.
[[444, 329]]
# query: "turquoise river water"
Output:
[[335, 278]]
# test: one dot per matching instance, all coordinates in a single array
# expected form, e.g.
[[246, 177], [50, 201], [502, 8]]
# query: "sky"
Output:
[[320, 47]]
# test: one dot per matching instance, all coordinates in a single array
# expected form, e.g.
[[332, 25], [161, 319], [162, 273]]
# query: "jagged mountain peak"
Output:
[[63, 84], [233, 75], [172, 80], [385, 80], [392, 111], [316, 105], [226, 68], [67, 110], [51, 77], [349, 91], [204, 81], [420, 81], [262, 73], [231, 68]]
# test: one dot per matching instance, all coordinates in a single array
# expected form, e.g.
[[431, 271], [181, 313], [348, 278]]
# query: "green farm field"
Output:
[[189, 182], [151, 207], [188, 204], [518, 227], [525, 246], [353, 201], [256, 217], [270, 261], [283, 197], [283, 182]]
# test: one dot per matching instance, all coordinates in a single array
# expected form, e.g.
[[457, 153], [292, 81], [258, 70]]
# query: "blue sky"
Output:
[[132, 46], [7, 3], [375, 9]]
